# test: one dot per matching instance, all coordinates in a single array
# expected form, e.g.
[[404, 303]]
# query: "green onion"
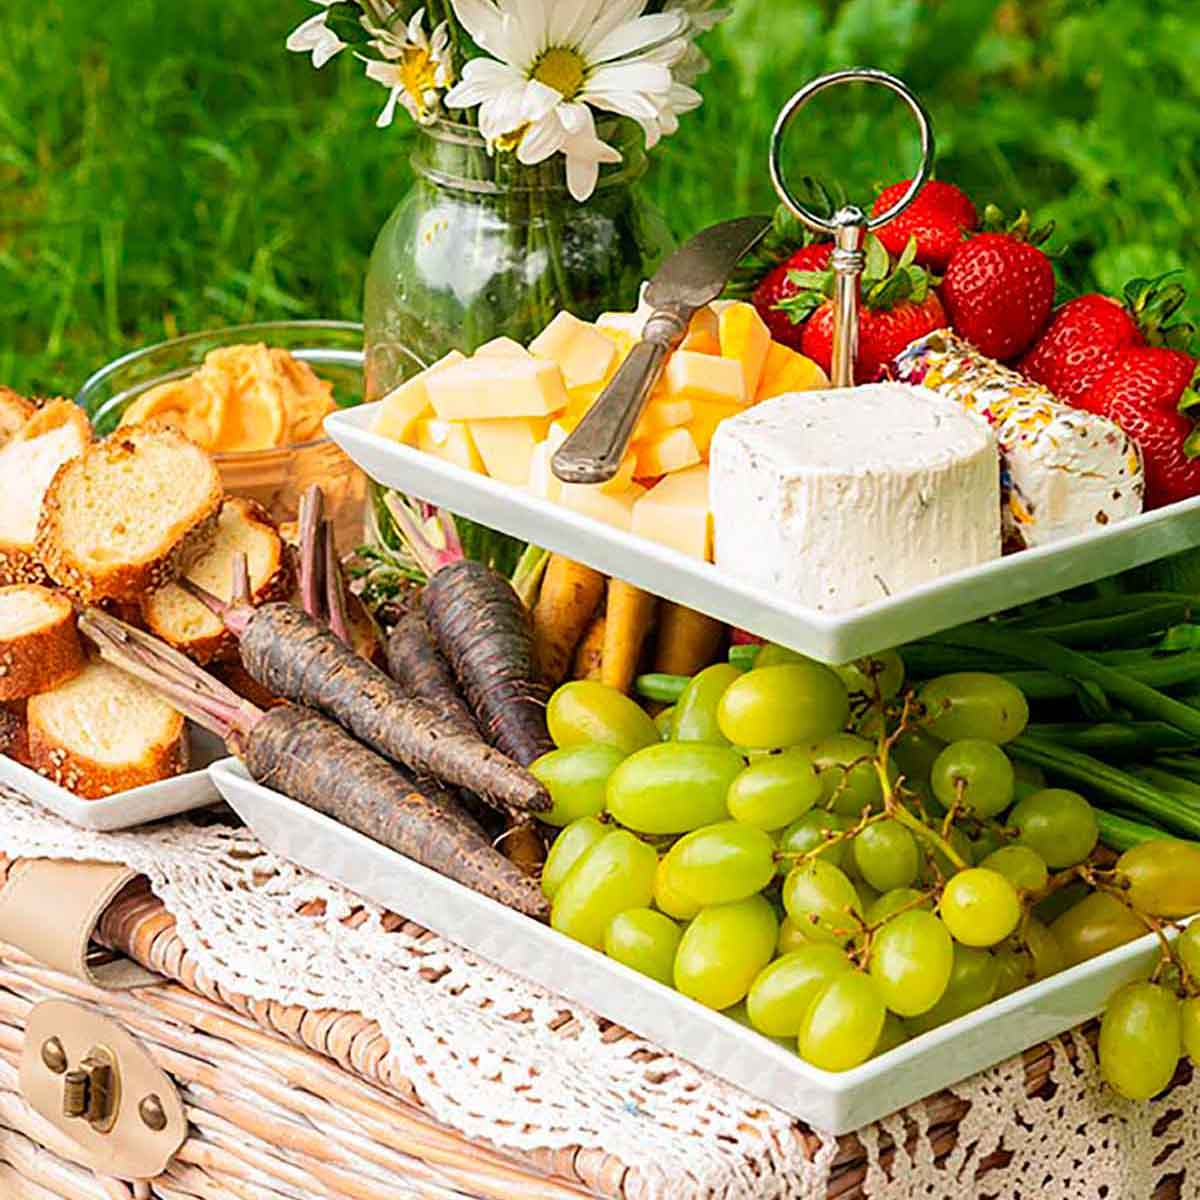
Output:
[[1121, 834], [662, 689], [1111, 738]]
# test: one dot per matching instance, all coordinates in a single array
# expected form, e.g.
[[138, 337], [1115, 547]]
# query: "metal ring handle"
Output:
[[829, 226]]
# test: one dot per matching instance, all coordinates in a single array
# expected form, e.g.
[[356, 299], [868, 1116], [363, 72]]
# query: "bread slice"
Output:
[[29, 460], [242, 527], [129, 515], [105, 732], [15, 410], [39, 645]]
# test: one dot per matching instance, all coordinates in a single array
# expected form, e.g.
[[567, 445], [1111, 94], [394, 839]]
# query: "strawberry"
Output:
[[1149, 377], [779, 285], [937, 218], [999, 287], [898, 306]]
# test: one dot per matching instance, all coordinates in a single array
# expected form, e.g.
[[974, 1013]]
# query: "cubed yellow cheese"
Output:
[[703, 334], [503, 347], [497, 385], [707, 416], [450, 440], [662, 413], [403, 406], [623, 329], [746, 339], [664, 452], [623, 479], [675, 512], [692, 376], [614, 508], [583, 354], [787, 371], [542, 480], [506, 445]]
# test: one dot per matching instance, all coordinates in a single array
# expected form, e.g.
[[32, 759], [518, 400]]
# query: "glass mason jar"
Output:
[[483, 246]]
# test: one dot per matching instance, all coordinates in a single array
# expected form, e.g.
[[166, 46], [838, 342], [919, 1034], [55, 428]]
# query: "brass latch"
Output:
[[92, 1090]]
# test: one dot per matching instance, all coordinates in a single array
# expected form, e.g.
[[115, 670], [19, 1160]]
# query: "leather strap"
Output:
[[50, 909]]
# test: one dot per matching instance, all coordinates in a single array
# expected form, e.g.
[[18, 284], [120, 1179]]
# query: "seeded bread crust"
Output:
[[15, 410], [13, 740], [40, 659], [123, 581]]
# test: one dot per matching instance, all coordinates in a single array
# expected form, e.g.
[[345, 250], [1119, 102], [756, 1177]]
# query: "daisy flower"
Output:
[[701, 14], [553, 61], [416, 68], [316, 38]]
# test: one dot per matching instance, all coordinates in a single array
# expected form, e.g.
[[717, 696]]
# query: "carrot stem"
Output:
[[240, 593], [335, 594], [312, 508]]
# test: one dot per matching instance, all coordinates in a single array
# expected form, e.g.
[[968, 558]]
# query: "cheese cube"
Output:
[[703, 335], [612, 508], [450, 440], [662, 413], [542, 480], [506, 445], [584, 355], [623, 479], [675, 512], [708, 415], [746, 339], [692, 376], [497, 385], [623, 329], [401, 408], [787, 371], [664, 452], [502, 347]]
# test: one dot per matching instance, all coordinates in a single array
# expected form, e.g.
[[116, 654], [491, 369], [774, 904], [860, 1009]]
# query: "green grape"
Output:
[[1059, 900], [1044, 951], [1015, 971], [985, 842], [771, 655], [842, 1024], [915, 752], [886, 855], [569, 847], [670, 901], [1096, 924], [810, 831], [1022, 866], [644, 940], [893, 901], [1164, 877], [791, 938], [1031, 954], [1059, 824], [774, 790], [892, 1035], [821, 900], [664, 722], [723, 949], [980, 907], [615, 874], [1189, 1028], [867, 895], [773, 707], [1141, 1040], [934, 856], [879, 676], [976, 775], [971, 704], [696, 710], [1188, 949], [974, 978], [911, 960], [720, 863], [588, 711], [673, 787], [849, 778], [576, 778], [783, 990], [737, 1012]]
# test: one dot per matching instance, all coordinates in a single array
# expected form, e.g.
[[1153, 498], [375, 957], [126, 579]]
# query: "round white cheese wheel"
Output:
[[836, 499]]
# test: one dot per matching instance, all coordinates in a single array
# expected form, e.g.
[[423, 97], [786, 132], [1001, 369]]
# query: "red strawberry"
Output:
[[1085, 337], [1145, 376], [778, 285], [999, 288], [937, 218]]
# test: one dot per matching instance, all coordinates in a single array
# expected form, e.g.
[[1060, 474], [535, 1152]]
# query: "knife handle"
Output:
[[593, 452]]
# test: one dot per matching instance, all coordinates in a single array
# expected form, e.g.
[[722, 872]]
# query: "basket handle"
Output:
[[49, 909]]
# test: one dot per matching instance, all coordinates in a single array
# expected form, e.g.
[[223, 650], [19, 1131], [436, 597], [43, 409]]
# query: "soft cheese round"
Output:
[[835, 499]]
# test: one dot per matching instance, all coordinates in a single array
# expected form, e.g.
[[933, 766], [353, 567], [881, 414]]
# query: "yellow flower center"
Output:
[[418, 76], [561, 69]]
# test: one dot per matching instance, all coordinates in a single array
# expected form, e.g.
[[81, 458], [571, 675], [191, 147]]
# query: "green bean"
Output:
[[1120, 833], [663, 689], [1112, 738]]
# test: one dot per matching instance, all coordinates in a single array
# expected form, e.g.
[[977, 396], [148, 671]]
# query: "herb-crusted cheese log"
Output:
[[1065, 471], [835, 499]]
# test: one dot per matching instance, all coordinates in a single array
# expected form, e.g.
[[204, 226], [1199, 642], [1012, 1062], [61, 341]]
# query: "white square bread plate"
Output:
[[837, 1103], [138, 806], [830, 637]]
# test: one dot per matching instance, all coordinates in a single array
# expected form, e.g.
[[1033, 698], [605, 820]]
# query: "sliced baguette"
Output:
[[15, 410], [242, 527], [104, 732], [29, 461], [129, 515], [39, 645]]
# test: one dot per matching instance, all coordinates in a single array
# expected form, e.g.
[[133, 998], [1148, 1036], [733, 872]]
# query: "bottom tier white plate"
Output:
[[124, 810], [838, 1103]]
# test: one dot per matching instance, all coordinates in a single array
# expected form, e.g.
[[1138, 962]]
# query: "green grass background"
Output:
[[169, 167]]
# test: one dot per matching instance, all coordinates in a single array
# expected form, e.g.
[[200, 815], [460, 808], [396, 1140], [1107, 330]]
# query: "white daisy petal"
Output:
[[630, 77], [482, 78], [389, 109], [576, 118], [503, 113], [570, 20], [483, 21], [539, 99], [633, 36], [628, 104], [542, 139], [582, 176], [615, 13], [520, 47]]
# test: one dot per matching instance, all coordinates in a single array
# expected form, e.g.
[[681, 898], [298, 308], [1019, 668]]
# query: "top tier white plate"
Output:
[[830, 637]]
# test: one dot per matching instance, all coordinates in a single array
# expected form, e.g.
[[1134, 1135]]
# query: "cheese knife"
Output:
[[695, 275]]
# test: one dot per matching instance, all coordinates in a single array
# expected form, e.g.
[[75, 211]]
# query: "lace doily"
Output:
[[523, 1085]]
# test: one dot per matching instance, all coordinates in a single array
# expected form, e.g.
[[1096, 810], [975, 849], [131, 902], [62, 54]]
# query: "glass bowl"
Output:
[[276, 478]]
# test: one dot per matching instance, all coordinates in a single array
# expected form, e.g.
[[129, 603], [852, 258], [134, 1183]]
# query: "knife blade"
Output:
[[692, 277]]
